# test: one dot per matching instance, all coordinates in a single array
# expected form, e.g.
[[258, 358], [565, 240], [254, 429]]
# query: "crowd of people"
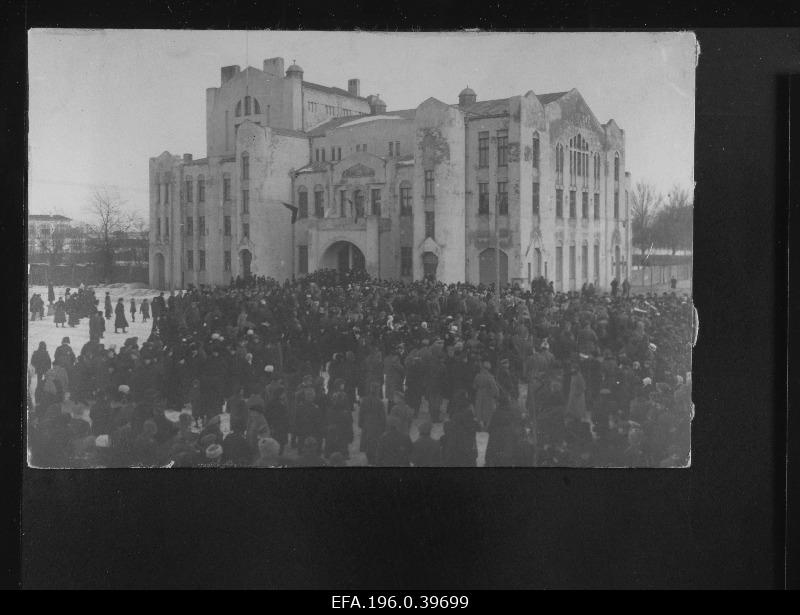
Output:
[[298, 369]]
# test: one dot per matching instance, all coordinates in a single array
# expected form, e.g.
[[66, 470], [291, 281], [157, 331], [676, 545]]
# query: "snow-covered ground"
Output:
[[46, 331]]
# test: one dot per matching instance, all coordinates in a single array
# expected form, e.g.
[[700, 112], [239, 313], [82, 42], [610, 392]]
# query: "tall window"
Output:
[[333, 153], [245, 166], [596, 205], [559, 264], [535, 150], [190, 260], [572, 262], [406, 204], [302, 259], [391, 149], [616, 205], [502, 198], [166, 227], [559, 165], [585, 205], [502, 148], [343, 203], [430, 224], [616, 167], [429, 186], [572, 204], [596, 261], [585, 263], [201, 189], [158, 227], [201, 225], [319, 209], [483, 198], [226, 188], [406, 265], [188, 188], [559, 203], [338, 153], [247, 108], [227, 225], [166, 193], [245, 201], [189, 226], [202, 255], [323, 154], [397, 148], [245, 230], [227, 260], [483, 149], [597, 171], [535, 198], [376, 201], [537, 253], [302, 202], [239, 109], [578, 161]]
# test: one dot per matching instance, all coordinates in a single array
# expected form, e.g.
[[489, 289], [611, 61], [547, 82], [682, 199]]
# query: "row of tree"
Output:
[[659, 221]]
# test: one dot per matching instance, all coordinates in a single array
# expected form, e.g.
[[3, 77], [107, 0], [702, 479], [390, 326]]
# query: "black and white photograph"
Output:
[[277, 249]]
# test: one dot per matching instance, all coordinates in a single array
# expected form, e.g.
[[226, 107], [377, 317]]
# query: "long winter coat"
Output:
[[486, 393], [120, 322], [60, 316], [576, 402]]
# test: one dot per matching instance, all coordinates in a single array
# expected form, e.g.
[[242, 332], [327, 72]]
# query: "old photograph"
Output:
[[273, 249]]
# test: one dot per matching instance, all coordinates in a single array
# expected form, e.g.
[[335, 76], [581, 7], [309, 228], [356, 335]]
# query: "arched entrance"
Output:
[[429, 264], [343, 256], [160, 273], [245, 259], [488, 267]]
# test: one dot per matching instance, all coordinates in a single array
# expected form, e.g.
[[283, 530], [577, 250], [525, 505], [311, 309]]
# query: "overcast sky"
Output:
[[103, 102]]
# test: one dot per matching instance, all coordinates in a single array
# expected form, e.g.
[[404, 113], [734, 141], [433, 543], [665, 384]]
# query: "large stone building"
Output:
[[434, 190]]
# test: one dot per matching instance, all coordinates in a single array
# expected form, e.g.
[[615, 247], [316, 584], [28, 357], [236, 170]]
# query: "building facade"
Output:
[[439, 190]]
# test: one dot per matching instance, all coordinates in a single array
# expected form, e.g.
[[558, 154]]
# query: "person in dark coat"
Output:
[[235, 449], [60, 316], [108, 306], [144, 308], [426, 452], [120, 322], [394, 446], [97, 326], [41, 361], [133, 309], [64, 355], [459, 444], [51, 294], [372, 421], [277, 415]]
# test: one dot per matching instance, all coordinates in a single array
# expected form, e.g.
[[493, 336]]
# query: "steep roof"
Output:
[[322, 129]]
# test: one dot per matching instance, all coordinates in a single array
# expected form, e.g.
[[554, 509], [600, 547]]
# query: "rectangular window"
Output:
[[158, 227], [166, 193], [201, 190], [188, 186], [302, 259], [616, 205], [596, 262], [245, 230], [202, 256], [429, 189], [323, 154], [319, 209], [535, 152], [343, 203], [405, 262], [483, 149], [338, 153], [391, 149], [201, 225], [245, 166], [535, 198], [537, 254], [245, 201], [559, 203], [585, 206], [596, 205], [376, 201], [397, 148], [405, 201], [227, 222], [572, 262], [483, 198], [190, 260], [189, 226], [333, 153], [502, 148], [502, 198], [226, 188], [572, 204], [430, 224], [302, 204], [585, 263], [316, 155], [559, 264], [227, 260], [166, 227]]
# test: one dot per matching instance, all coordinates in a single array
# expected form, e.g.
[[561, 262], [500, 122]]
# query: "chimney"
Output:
[[227, 73], [187, 158], [354, 87], [274, 67]]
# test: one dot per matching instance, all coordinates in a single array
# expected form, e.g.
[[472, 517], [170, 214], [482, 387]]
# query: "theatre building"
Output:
[[300, 176]]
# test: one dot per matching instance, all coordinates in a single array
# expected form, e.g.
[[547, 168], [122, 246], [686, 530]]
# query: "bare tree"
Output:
[[674, 224], [646, 202], [109, 220]]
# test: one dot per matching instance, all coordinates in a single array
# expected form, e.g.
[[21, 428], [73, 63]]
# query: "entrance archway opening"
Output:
[[488, 267], [343, 256], [430, 262], [246, 258], [160, 272]]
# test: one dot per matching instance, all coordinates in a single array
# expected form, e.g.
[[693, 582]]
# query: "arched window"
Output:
[[247, 105], [256, 107], [239, 109], [578, 160], [559, 165], [302, 202], [319, 203], [245, 166], [616, 167]]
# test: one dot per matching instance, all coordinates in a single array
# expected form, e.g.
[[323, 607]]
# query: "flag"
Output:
[[293, 209]]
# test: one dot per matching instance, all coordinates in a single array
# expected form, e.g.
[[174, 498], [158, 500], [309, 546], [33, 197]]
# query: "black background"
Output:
[[718, 524]]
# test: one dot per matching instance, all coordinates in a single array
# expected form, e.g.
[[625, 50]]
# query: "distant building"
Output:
[[54, 232], [431, 191]]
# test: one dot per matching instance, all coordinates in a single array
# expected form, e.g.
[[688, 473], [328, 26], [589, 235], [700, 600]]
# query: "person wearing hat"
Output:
[[60, 313], [486, 394], [120, 322], [576, 399], [372, 421], [402, 412], [64, 356]]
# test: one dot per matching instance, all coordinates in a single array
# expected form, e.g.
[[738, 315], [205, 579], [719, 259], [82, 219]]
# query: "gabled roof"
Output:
[[322, 129], [332, 90], [548, 98], [499, 106]]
